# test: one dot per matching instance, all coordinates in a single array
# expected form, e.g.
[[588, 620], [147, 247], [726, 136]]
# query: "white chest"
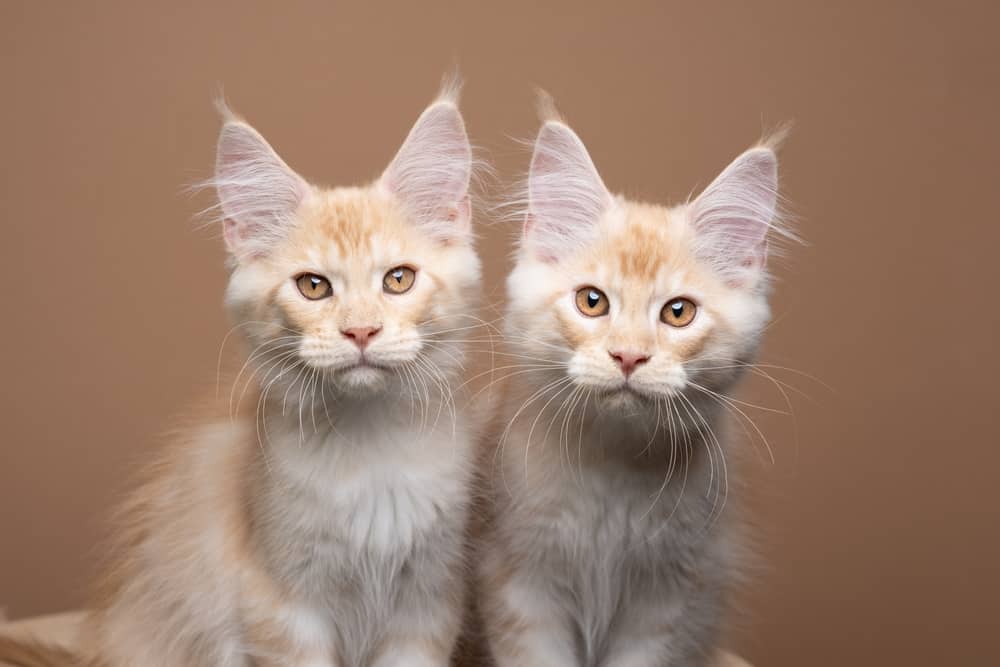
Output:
[[380, 497], [607, 539], [353, 522]]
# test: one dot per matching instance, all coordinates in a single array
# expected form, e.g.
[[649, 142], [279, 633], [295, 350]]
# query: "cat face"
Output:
[[352, 291], [636, 304]]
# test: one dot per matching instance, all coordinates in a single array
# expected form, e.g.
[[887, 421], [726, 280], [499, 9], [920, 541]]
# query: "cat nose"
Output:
[[361, 335], [628, 361]]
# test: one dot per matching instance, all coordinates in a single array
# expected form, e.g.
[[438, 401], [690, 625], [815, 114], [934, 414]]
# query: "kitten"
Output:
[[629, 324], [326, 529]]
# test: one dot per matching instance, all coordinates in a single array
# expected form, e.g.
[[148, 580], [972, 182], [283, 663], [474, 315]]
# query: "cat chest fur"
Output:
[[604, 541], [347, 525]]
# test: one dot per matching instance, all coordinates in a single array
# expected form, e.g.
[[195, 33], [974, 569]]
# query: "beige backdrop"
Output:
[[879, 515]]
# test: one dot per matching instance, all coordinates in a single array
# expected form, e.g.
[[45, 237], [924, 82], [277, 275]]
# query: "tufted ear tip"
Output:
[[555, 146], [443, 116], [761, 163]]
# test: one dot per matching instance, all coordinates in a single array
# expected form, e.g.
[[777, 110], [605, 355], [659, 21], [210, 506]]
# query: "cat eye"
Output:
[[313, 287], [399, 280], [678, 313], [592, 302]]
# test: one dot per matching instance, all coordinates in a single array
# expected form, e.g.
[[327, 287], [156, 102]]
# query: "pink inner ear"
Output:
[[758, 256], [529, 223], [461, 212], [240, 238], [231, 232], [566, 196], [258, 193], [734, 214], [430, 174]]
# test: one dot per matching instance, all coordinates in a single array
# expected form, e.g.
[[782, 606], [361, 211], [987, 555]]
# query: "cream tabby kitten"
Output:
[[629, 324], [327, 529]]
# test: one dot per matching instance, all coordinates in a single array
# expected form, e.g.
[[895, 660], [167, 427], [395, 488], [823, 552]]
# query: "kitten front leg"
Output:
[[413, 652], [524, 624], [651, 652], [419, 641], [276, 644], [667, 650], [660, 630], [424, 627], [281, 633], [661, 646]]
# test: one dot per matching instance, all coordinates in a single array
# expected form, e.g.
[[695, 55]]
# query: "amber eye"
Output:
[[679, 312], [313, 287], [592, 302], [399, 280]]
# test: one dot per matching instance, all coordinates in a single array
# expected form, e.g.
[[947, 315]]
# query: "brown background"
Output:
[[880, 515]]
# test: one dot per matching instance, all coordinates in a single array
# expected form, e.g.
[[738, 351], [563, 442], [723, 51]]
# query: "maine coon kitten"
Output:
[[629, 323], [327, 530]]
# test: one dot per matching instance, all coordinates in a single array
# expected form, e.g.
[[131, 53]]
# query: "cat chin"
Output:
[[626, 403], [362, 381]]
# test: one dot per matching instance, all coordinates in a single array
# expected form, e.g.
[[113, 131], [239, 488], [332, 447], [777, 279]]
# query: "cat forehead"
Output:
[[351, 222], [642, 242]]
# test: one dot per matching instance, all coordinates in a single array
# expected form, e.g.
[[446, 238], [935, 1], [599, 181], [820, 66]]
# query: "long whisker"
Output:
[[763, 408], [445, 394], [265, 368], [507, 376], [723, 468], [261, 414], [527, 445], [671, 467], [225, 339], [506, 432], [727, 403], [555, 416], [579, 437], [564, 429], [268, 347], [438, 347]]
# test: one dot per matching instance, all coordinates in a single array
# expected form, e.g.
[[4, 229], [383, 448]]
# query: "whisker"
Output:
[[734, 400], [725, 402], [506, 432]]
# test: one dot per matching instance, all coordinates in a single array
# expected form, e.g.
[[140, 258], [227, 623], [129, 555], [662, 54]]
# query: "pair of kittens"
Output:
[[363, 515]]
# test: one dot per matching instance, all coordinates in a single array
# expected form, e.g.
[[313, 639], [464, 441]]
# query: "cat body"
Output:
[[330, 548], [613, 539], [608, 558]]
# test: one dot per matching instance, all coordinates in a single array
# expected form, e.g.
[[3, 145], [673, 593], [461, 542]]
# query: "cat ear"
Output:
[[734, 214], [430, 173], [566, 196], [258, 193]]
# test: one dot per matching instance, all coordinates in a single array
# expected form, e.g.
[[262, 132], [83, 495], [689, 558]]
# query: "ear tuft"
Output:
[[258, 193], [430, 174], [566, 196], [734, 214], [546, 107]]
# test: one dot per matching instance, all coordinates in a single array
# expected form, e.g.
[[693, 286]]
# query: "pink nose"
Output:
[[361, 335], [628, 361]]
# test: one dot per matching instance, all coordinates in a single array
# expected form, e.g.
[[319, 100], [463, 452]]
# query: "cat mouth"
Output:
[[364, 364], [626, 390]]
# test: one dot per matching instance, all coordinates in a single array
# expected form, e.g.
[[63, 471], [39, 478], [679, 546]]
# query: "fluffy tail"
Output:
[[27, 652]]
